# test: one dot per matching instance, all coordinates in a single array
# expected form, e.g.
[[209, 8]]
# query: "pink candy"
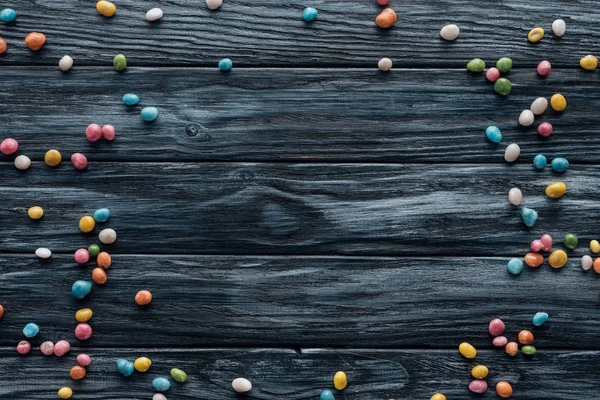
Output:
[[83, 331], [496, 327], [545, 129], [82, 256], [478, 386], [492, 74], [61, 348], [544, 67], [23, 347], [79, 161], [84, 360], [536, 245], [108, 132], [9, 146], [546, 242], [500, 341], [47, 348], [383, 2], [93, 132]]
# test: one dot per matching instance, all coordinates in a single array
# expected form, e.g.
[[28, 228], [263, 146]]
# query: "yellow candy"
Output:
[[438, 396], [556, 190], [589, 62], [106, 8], [87, 224], [339, 380], [594, 246], [35, 212], [65, 393], [84, 315], [535, 35], [558, 102], [142, 364], [557, 259], [479, 372], [467, 350], [53, 158]]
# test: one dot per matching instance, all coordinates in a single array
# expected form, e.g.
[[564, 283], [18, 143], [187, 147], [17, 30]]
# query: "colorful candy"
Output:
[[23, 347], [1, 311], [560, 164], [52, 158], [142, 364], [213, 4], [61, 348], [149, 114], [515, 266], [9, 146], [83, 331], [84, 360], [540, 161], [22, 162], [130, 99], [539, 318], [161, 384], [594, 246], [107, 236], [502, 86], [589, 62], [125, 367], [515, 196], [586, 262], [43, 252], [557, 259], [106, 8], [81, 256], [467, 350], [525, 337], [178, 375], [556, 190], [84, 315], [104, 260], [450, 32], [225, 65], [93, 132], [493, 133], [3, 46], [65, 393], [479, 372], [87, 224], [570, 241], [526, 118], [492, 74], [496, 327], [109, 132], [546, 241], [386, 19], [535, 35], [478, 386], [77, 372], [385, 64], [511, 348], [558, 102], [545, 129], [101, 214], [559, 27], [143, 297], [154, 14], [596, 265], [340, 381], [120, 62], [539, 106], [81, 289], [512, 152], [500, 341], [544, 68], [241, 385], [528, 350], [327, 395], [99, 276], [382, 2], [35, 212], [536, 245], [476, 65], [529, 216], [35, 41], [65, 63], [504, 64], [94, 250], [8, 15], [47, 348], [504, 390], [31, 330], [309, 14], [534, 260]]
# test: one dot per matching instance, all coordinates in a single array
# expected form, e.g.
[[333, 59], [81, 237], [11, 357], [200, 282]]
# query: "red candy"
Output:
[[108, 132], [492, 74], [496, 327], [545, 129], [9, 146], [83, 331], [544, 67], [23, 347], [79, 161], [93, 132], [383, 2]]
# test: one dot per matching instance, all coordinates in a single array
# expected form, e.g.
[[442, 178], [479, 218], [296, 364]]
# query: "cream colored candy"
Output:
[[526, 118], [154, 14], [385, 64], [586, 262], [159, 396], [22, 162], [213, 4], [450, 32], [241, 385], [107, 236], [43, 252], [559, 27], [515, 197], [512, 152], [539, 106], [65, 63]]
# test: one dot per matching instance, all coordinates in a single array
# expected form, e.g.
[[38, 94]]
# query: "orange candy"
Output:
[[386, 19], [78, 372], [103, 260], [525, 337], [35, 41], [2, 46], [99, 276], [534, 260], [504, 389], [1, 311], [597, 265], [143, 297], [511, 348]]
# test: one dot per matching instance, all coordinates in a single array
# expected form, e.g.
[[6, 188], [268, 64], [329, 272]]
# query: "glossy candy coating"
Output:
[[556, 190], [539, 106], [106, 8], [79, 161], [83, 331], [511, 348], [149, 114], [438, 396], [558, 102], [327, 395], [142, 364], [47, 348], [35, 212], [557, 259], [504, 390], [493, 134], [385, 64], [535, 35], [450, 32], [8, 15], [77, 372], [65, 393], [102, 214], [467, 350], [479, 372], [528, 350], [161, 384], [539, 318], [504, 64], [589, 62], [225, 65], [120, 62], [9, 146], [130, 99], [515, 266], [94, 250], [53, 158], [536, 245], [35, 41], [526, 118], [478, 386], [3, 46], [545, 129], [500, 341], [82, 256], [382, 2], [178, 375], [84, 360], [1, 311], [241, 385], [596, 265], [526, 337], [386, 19], [99, 276], [87, 224], [31, 330], [492, 74], [560, 164], [109, 132], [594, 246], [540, 161], [143, 298], [309, 14], [65, 63], [125, 367], [93, 132], [107, 236], [104, 260], [476, 65], [84, 315], [512, 152], [81, 289], [154, 14], [529, 216], [570, 241], [340, 381], [559, 27], [544, 67], [534, 260], [515, 196], [61, 348], [502, 86], [586, 262], [496, 327], [22, 162], [43, 252]]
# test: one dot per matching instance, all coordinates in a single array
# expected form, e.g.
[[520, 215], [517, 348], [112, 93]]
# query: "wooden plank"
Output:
[[271, 32], [353, 209], [300, 301], [274, 114], [283, 374]]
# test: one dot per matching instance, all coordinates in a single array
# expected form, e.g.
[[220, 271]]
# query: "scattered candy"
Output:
[[94, 250], [35, 41], [65, 63], [382, 2], [109, 132], [241, 385], [539, 105], [504, 390], [450, 32], [79, 161], [556, 190], [9, 146], [178, 375], [560, 164], [557, 259], [496, 327], [3, 46], [149, 114], [589, 62], [102, 214], [327, 395], [504, 65], [535, 35], [35, 212], [570, 241], [385, 64], [125, 367], [512, 152], [502, 86], [43, 252], [492, 74], [23, 347], [596, 265], [493, 134], [534, 260], [511, 348], [544, 68], [106, 8], [65, 393], [142, 364], [77, 372], [80, 289], [558, 102], [8, 15], [143, 297], [104, 260], [586, 262], [99, 276], [130, 99], [340, 381], [31, 330], [161, 384], [1, 311], [160, 396], [53, 158], [529, 216], [309, 14], [546, 241], [515, 266], [526, 118], [540, 161], [83, 331], [525, 337], [47, 348], [467, 350], [536, 245], [476, 65], [154, 14], [225, 65], [515, 197], [120, 62], [84, 360], [545, 129], [84, 315], [93, 132], [478, 386], [559, 27], [87, 224], [528, 350], [386, 19], [479, 372], [539, 318], [61, 348], [213, 4], [500, 341]]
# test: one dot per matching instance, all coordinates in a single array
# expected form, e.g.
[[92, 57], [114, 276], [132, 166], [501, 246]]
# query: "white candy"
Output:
[[241, 385], [214, 4], [512, 152], [515, 197], [22, 162], [586, 262], [43, 252], [154, 14], [539, 105], [526, 118], [107, 236], [385, 64], [65, 63], [450, 32], [159, 396], [559, 27]]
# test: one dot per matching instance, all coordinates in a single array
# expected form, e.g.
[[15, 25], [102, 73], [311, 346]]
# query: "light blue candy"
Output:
[[125, 367], [8, 15], [327, 395], [529, 216], [539, 318], [225, 64], [515, 266], [149, 114], [131, 99], [102, 214], [560, 164], [540, 161], [493, 134], [161, 384], [31, 330], [80, 289], [309, 14]]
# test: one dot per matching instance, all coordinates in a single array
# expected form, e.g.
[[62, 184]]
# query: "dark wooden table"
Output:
[[304, 213]]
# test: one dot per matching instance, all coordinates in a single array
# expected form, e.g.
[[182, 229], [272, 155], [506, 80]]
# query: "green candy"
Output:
[[178, 375], [529, 350], [94, 249], [120, 62], [502, 86], [570, 241], [476, 65], [504, 64]]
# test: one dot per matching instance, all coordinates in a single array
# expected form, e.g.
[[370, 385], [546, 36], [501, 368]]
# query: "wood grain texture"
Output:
[[283, 374], [271, 32], [300, 302], [246, 208], [296, 115]]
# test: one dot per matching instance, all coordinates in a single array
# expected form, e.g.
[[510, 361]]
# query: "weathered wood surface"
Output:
[[246, 208], [298, 115], [272, 33], [300, 301], [284, 374]]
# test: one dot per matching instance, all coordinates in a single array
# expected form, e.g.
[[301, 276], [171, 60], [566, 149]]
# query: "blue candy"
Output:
[[309, 14], [560, 164], [131, 99], [515, 266], [149, 114], [539, 318], [161, 384], [327, 395], [8, 15], [31, 330], [493, 134], [80, 289], [529, 216], [124, 367], [102, 214], [540, 161], [225, 64]]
